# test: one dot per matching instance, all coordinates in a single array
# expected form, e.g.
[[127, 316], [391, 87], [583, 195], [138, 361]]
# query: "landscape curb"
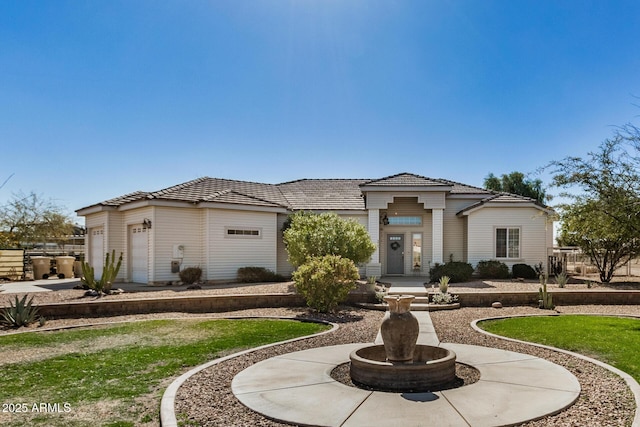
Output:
[[629, 380], [167, 403]]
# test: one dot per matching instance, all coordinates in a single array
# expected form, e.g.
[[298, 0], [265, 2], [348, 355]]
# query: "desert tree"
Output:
[[602, 217], [28, 219], [516, 183]]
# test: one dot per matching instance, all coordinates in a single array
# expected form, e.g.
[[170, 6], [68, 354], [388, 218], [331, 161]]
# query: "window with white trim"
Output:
[[507, 243], [251, 233]]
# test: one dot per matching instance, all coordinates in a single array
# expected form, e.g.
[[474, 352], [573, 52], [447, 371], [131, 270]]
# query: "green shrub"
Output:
[[562, 279], [523, 271], [493, 269], [258, 275], [325, 281], [20, 313], [314, 235], [190, 275], [456, 270]]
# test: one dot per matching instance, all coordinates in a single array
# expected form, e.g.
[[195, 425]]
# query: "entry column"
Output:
[[437, 233], [374, 268]]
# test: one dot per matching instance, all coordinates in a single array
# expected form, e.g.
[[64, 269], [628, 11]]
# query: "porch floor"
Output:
[[405, 285]]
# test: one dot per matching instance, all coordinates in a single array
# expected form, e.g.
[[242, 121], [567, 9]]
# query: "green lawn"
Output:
[[613, 340], [115, 375]]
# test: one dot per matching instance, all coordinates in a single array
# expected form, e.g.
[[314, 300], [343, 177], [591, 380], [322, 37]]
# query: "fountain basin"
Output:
[[431, 368]]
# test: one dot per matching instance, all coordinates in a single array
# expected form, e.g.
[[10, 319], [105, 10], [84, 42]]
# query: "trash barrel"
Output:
[[41, 267], [64, 266], [77, 268]]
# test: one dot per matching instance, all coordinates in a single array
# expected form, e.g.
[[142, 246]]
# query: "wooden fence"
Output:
[[11, 264]]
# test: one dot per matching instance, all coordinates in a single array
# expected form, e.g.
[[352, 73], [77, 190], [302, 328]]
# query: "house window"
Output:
[[416, 251], [507, 243], [254, 233], [405, 220]]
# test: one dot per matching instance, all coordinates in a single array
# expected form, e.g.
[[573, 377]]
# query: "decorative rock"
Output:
[[496, 304], [91, 293], [194, 287]]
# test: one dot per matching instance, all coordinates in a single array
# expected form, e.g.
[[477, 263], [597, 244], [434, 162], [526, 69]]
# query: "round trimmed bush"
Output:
[[456, 270], [325, 281], [190, 275], [493, 269], [523, 271]]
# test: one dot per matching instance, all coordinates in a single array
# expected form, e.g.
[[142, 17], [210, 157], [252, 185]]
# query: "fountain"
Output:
[[400, 364]]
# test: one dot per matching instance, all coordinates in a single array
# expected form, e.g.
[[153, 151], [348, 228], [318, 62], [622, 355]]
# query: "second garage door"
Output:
[[138, 238]]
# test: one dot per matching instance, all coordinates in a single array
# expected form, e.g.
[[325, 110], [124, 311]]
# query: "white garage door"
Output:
[[97, 251], [139, 254]]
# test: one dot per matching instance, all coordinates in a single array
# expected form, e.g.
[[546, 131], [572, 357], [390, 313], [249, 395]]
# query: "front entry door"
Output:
[[395, 254]]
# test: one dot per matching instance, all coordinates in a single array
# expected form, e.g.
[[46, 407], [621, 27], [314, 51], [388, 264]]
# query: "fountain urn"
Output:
[[400, 330]]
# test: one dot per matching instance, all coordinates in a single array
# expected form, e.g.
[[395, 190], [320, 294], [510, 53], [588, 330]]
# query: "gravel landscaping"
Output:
[[605, 400]]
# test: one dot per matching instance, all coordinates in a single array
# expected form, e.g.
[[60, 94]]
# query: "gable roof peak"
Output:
[[406, 179]]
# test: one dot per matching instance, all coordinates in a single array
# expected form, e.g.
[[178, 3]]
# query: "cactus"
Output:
[[545, 299], [109, 273], [22, 313]]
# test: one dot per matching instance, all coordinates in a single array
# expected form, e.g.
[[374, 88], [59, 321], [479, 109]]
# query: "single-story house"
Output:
[[221, 225]]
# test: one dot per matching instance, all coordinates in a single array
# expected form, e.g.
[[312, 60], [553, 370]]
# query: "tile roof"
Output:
[[303, 194], [324, 194], [127, 198], [504, 198], [406, 180], [224, 191]]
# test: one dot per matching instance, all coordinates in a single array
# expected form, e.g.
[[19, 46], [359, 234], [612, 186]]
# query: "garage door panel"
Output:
[[139, 254], [97, 251]]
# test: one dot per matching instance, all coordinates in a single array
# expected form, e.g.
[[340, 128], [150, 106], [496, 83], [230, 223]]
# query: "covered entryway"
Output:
[[139, 250], [96, 248], [395, 254]]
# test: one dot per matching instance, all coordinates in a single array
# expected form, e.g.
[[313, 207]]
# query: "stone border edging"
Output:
[[167, 403], [560, 297], [629, 380], [179, 303]]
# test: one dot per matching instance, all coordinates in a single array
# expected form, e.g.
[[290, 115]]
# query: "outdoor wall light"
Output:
[[146, 223], [385, 220]]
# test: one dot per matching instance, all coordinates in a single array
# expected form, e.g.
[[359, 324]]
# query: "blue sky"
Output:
[[102, 98]]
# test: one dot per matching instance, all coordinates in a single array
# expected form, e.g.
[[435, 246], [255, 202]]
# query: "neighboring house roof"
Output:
[[308, 194]]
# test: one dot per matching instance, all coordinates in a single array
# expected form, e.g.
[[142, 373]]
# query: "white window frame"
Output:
[[508, 249]]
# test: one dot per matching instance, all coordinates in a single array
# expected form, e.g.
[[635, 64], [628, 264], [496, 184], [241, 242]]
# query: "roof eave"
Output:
[[519, 205], [406, 188]]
